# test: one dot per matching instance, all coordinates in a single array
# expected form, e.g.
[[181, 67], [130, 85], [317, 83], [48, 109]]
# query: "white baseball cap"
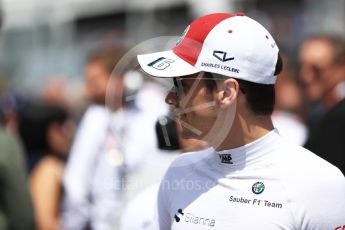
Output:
[[232, 45]]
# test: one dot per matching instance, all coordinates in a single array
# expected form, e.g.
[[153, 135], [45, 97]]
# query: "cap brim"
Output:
[[165, 64]]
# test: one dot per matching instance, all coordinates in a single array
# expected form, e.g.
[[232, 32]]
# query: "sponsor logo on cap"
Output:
[[222, 56], [161, 63]]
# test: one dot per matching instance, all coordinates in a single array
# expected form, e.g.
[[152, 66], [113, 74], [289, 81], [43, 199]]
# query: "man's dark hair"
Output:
[[260, 97]]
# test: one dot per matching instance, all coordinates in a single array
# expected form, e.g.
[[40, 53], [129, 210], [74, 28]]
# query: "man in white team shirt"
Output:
[[224, 69]]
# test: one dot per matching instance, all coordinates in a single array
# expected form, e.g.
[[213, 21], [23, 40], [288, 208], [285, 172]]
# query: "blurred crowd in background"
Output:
[[83, 132]]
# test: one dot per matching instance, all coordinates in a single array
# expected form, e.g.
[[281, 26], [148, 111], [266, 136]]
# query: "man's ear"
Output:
[[230, 92]]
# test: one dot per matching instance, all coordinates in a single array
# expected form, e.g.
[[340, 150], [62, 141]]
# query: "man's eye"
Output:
[[185, 87]]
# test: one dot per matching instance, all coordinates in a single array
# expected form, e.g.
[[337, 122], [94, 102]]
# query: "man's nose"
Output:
[[171, 98]]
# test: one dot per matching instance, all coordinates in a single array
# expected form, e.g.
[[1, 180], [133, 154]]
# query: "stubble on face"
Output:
[[197, 110]]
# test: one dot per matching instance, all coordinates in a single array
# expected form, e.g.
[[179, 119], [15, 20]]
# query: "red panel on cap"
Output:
[[191, 45]]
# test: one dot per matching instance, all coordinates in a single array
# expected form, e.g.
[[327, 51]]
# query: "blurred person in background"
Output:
[[142, 205], [89, 139], [54, 91], [112, 142], [37, 126], [61, 91], [16, 210], [288, 112], [10, 105], [49, 125], [322, 71]]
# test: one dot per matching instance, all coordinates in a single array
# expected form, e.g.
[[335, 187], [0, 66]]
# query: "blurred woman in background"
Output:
[[48, 130]]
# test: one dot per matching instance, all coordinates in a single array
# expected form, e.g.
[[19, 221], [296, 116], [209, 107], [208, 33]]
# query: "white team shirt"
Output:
[[139, 214], [143, 198], [268, 184]]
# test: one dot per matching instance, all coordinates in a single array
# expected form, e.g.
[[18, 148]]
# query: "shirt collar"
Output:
[[237, 158]]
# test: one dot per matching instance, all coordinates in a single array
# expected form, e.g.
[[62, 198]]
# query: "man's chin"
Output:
[[188, 134]]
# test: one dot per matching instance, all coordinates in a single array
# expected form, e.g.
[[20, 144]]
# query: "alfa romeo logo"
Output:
[[258, 187]]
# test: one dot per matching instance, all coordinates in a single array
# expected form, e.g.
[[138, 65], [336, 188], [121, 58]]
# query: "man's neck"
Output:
[[246, 130]]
